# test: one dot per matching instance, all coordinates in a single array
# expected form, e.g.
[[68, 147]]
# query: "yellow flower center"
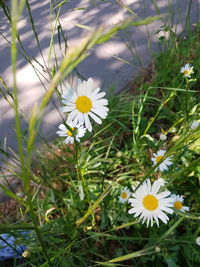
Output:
[[158, 158], [178, 205], [188, 72], [124, 195], [69, 132], [83, 104], [150, 202]]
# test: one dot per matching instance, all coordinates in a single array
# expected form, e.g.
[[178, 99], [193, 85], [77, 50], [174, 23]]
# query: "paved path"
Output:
[[103, 64]]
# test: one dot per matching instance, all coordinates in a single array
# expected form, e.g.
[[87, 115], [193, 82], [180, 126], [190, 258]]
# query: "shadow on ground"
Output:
[[106, 63]]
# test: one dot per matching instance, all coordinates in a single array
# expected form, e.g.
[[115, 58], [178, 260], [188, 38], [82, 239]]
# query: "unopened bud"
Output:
[[157, 249], [163, 137], [26, 254]]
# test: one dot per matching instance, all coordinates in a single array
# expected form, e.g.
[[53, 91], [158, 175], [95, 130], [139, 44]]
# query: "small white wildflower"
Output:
[[163, 137], [187, 70], [78, 131], [178, 203], [198, 240], [149, 205], [194, 125], [124, 195], [158, 157]]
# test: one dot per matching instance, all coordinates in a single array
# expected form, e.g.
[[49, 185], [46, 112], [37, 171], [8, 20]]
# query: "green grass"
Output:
[[70, 199], [98, 227]]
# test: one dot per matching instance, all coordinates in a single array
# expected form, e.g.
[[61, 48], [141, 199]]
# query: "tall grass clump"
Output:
[[120, 184]]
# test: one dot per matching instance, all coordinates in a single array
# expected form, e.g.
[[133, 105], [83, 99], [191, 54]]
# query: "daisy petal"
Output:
[[87, 122], [95, 118]]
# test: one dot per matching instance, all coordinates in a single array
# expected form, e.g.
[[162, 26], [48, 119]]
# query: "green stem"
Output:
[[80, 175], [173, 93], [76, 159], [119, 213], [186, 102]]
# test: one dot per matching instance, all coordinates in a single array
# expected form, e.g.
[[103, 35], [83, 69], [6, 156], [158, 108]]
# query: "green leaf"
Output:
[[171, 263], [94, 206]]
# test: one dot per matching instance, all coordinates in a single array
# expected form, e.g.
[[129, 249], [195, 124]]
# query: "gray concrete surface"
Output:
[[134, 45]]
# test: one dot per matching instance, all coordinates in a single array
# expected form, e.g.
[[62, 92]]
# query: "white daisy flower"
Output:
[[187, 70], [178, 203], [163, 137], [150, 205], [194, 125], [198, 240], [158, 157], [124, 195], [77, 132], [83, 102]]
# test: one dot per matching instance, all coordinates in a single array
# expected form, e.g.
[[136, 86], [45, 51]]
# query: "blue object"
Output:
[[12, 251]]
